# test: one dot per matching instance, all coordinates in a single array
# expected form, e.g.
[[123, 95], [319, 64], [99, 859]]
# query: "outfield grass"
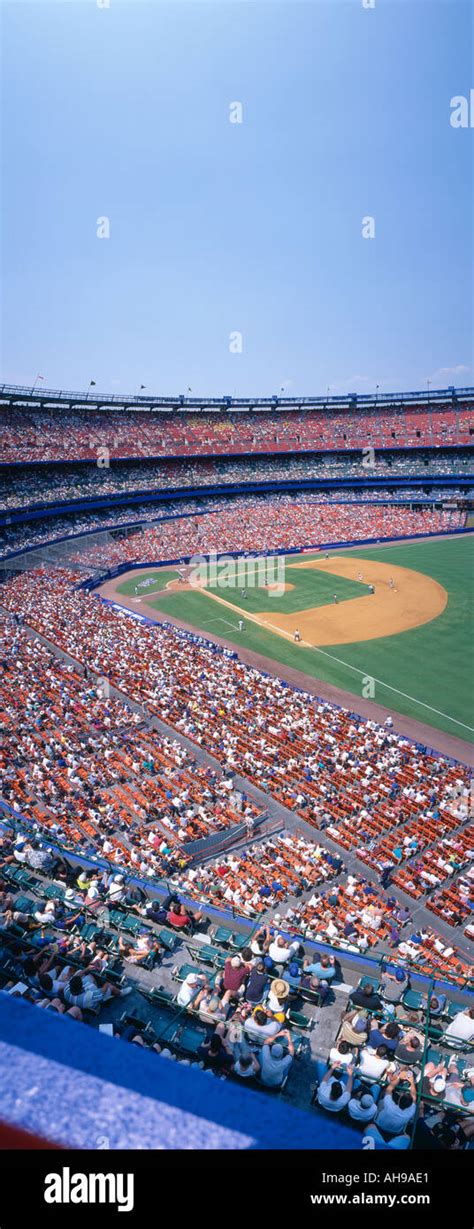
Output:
[[426, 673]]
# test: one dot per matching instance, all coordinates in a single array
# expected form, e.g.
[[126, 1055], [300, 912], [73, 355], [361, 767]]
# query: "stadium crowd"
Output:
[[82, 765], [32, 434], [325, 764], [305, 518], [269, 523], [52, 484], [260, 1008]]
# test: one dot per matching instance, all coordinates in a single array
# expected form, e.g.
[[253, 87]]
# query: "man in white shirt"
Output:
[[190, 988], [373, 1063], [462, 1026], [116, 890], [280, 951]]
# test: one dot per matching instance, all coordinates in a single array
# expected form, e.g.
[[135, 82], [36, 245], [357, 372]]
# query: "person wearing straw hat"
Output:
[[277, 999]]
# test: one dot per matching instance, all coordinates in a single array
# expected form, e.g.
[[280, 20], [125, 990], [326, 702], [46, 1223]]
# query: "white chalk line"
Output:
[[366, 674]]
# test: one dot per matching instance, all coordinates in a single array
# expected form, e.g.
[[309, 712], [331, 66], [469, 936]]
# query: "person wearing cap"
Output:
[[72, 898], [393, 985], [116, 890], [93, 892], [234, 978], [274, 1063], [294, 974], [192, 984], [362, 1107], [210, 1006], [355, 1028], [21, 849], [434, 1079]]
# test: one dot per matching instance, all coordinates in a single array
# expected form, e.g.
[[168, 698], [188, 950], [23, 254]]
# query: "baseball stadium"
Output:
[[236, 610], [236, 848]]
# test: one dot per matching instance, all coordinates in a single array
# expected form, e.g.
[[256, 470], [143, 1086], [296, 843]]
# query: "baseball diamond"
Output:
[[411, 636]]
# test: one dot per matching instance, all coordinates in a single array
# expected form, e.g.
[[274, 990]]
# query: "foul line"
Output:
[[365, 674], [220, 620]]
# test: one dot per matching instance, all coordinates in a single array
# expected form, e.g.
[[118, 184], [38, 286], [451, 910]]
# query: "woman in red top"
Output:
[[181, 920]]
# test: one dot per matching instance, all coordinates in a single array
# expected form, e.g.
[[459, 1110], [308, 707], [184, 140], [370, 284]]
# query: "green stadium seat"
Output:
[[238, 941], [164, 997], [369, 981], [222, 936], [54, 891], [169, 940], [189, 1039], [24, 904], [413, 1000], [298, 1020]]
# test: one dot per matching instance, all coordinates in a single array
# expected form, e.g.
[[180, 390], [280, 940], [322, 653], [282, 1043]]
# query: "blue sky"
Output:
[[215, 227]]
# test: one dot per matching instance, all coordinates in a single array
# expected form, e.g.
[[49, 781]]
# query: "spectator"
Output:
[[397, 1107], [362, 1107], [274, 1063], [192, 984], [365, 996], [461, 1027], [334, 1091], [394, 985]]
